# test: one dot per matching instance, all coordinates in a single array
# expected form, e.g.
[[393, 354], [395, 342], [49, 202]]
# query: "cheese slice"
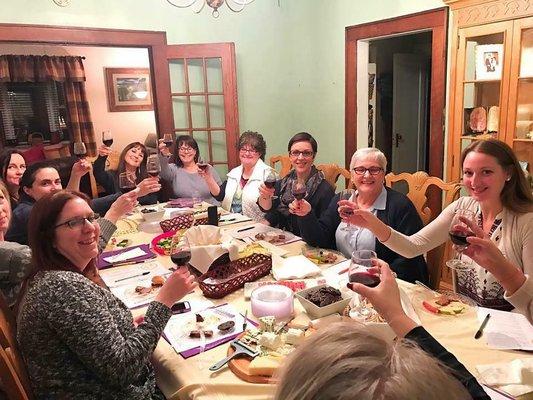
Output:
[[270, 340], [294, 336], [266, 365]]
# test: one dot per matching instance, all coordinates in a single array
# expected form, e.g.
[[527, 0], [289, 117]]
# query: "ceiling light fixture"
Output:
[[233, 5]]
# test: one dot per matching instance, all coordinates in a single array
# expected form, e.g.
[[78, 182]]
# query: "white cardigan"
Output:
[[250, 191]]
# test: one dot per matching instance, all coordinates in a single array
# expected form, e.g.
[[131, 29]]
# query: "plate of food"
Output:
[[320, 256], [446, 303], [162, 244]]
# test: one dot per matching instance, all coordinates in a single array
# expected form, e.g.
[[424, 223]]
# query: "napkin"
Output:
[[515, 378], [295, 267], [207, 244]]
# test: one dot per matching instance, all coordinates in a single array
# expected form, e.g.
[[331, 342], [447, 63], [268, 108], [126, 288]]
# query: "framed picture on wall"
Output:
[[489, 61], [128, 89]]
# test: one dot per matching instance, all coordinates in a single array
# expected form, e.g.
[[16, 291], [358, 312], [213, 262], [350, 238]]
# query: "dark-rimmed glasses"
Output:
[[185, 149], [248, 150], [298, 153], [78, 222], [371, 170]]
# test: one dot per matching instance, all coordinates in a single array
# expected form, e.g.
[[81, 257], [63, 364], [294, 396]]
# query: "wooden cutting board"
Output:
[[239, 366]]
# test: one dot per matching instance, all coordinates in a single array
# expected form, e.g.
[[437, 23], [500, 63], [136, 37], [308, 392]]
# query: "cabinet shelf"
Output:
[[477, 137], [523, 140]]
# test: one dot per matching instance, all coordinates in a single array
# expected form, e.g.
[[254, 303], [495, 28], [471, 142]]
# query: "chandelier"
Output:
[[233, 5]]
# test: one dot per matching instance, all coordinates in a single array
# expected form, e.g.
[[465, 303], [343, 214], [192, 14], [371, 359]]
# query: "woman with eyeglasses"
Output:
[[12, 166], [368, 166], [132, 160], [78, 340], [187, 178], [239, 193], [280, 202]]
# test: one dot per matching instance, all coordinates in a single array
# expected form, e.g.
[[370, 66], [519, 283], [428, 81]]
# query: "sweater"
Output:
[[15, 261], [250, 191], [188, 185], [399, 213], [431, 346], [319, 201], [79, 342], [514, 239], [109, 181]]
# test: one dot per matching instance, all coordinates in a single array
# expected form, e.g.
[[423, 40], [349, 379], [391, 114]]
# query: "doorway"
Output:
[[399, 87]]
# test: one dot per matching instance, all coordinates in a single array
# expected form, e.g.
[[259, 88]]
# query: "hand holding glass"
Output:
[[270, 177], [80, 150], [107, 138], [126, 182], [459, 231], [153, 166], [180, 252], [346, 211]]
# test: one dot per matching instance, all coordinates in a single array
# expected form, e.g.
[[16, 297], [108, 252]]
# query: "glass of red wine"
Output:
[[180, 252], [345, 211], [270, 177], [459, 231], [202, 164], [107, 138], [359, 272], [168, 139], [299, 191], [80, 150], [126, 182], [153, 166]]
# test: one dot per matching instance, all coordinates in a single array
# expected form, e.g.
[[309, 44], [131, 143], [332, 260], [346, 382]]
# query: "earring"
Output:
[[508, 179]]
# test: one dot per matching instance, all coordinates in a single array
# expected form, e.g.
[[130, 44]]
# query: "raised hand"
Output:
[[265, 192], [178, 284], [163, 149], [121, 206], [147, 186], [104, 150]]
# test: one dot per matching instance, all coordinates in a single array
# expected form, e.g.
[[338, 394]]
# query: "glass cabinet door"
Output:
[[481, 79], [521, 98]]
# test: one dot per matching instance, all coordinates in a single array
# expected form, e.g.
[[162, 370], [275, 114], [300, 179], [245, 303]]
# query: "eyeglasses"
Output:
[[185, 149], [371, 170], [77, 223], [248, 150], [298, 153]]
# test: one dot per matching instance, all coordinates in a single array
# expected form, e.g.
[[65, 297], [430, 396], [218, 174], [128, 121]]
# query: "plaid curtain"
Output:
[[70, 71]]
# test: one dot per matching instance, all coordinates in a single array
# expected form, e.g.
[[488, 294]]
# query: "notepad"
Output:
[[506, 330]]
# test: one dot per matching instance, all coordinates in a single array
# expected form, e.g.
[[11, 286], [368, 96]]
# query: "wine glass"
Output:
[[153, 166], [299, 191], [80, 150], [202, 164], [126, 182], [107, 138], [180, 251], [270, 177], [345, 211], [459, 231], [168, 139], [359, 272]]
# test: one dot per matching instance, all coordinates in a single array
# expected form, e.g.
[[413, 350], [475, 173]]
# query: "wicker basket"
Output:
[[180, 222], [232, 275]]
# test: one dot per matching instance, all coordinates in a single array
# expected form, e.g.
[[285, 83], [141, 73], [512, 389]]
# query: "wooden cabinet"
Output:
[[491, 88]]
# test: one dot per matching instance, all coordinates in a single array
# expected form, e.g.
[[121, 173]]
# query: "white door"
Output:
[[409, 112]]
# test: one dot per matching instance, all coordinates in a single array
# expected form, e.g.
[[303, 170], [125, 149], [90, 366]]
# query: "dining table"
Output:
[[190, 378]]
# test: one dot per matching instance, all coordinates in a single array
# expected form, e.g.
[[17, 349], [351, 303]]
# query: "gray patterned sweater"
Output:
[[79, 342]]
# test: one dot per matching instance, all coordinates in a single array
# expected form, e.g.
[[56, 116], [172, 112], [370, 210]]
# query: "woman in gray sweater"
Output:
[[78, 340]]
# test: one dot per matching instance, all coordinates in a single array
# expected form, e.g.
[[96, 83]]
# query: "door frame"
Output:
[[436, 21], [47, 34]]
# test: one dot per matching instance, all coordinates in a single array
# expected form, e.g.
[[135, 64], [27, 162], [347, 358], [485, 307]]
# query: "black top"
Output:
[[109, 181], [319, 201], [431, 346], [399, 213], [18, 228]]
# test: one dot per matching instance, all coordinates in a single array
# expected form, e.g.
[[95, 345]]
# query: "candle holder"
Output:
[[272, 300]]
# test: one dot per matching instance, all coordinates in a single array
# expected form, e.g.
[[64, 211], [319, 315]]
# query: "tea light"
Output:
[[275, 300]]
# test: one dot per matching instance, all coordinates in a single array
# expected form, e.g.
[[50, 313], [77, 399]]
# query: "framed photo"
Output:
[[128, 89], [489, 61]]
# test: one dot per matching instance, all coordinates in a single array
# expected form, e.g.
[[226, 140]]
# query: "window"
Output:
[[27, 107]]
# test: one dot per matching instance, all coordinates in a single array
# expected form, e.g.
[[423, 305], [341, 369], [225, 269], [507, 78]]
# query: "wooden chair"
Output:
[[12, 384], [332, 172], [418, 184], [7, 325], [285, 164]]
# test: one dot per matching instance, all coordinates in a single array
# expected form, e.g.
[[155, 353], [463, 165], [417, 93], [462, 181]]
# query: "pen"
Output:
[[479, 332], [133, 276], [246, 229], [120, 263], [228, 220], [245, 320]]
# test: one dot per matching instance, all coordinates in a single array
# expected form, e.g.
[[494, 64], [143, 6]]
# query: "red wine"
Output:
[[81, 155], [459, 237], [346, 211], [153, 174], [108, 142], [181, 257], [203, 166], [299, 194], [270, 183], [168, 143], [365, 278]]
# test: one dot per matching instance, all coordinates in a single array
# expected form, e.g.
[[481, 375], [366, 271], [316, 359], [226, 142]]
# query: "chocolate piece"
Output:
[[199, 318], [195, 334], [226, 326], [323, 296], [208, 333]]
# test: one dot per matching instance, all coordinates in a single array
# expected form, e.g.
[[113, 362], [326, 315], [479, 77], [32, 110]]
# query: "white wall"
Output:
[[126, 127]]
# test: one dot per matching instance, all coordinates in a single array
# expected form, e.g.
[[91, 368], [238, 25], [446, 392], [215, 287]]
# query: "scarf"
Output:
[[286, 197]]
